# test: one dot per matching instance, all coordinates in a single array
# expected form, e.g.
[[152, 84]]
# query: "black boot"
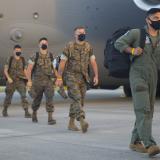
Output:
[[51, 121], [27, 114], [34, 117], [4, 112]]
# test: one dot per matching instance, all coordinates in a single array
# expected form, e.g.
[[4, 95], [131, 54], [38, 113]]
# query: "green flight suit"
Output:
[[143, 81]]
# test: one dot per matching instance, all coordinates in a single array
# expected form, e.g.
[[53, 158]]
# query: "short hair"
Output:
[[17, 46], [43, 38], [79, 27], [152, 11]]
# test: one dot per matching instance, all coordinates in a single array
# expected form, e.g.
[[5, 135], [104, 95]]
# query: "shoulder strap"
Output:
[[51, 56], [142, 41], [10, 62], [142, 37], [37, 56], [35, 62], [23, 61]]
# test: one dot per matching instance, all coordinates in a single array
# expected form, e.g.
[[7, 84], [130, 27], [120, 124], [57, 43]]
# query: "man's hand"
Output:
[[136, 51], [59, 82], [10, 80], [29, 85], [95, 80]]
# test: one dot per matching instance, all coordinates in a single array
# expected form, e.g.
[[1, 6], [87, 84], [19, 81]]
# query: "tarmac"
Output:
[[111, 118]]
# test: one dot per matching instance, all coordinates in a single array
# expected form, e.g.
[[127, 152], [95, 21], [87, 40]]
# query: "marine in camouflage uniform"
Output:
[[143, 80], [76, 58], [14, 71], [41, 79]]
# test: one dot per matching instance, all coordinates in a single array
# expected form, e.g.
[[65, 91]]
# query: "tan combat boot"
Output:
[[138, 147], [4, 112], [153, 150], [27, 114], [34, 117], [72, 126], [51, 121], [84, 125]]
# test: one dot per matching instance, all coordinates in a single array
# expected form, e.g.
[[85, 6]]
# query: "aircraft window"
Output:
[[35, 15], [16, 35]]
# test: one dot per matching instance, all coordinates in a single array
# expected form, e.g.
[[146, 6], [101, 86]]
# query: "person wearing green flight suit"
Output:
[[75, 59], [143, 79]]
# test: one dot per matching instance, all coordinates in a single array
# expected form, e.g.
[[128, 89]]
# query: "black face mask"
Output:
[[18, 53], [44, 46], [81, 37], [155, 24]]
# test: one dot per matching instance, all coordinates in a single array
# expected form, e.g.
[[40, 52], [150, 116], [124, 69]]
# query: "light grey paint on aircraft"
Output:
[[57, 19]]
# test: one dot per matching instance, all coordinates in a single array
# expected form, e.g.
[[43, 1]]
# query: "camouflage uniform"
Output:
[[16, 72], [76, 75], [43, 78]]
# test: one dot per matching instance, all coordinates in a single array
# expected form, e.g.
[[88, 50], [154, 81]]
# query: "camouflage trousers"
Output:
[[76, 86], [20, 86], [43, 87]]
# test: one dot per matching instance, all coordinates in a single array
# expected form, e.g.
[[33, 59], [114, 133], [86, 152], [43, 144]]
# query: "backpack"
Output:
[[36, 60], [116, 62]]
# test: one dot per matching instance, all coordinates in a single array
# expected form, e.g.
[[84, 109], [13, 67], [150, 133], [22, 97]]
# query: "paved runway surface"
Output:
[[109, 114]]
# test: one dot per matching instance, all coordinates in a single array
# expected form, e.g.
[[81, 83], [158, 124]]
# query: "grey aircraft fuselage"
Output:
[[24, 22]]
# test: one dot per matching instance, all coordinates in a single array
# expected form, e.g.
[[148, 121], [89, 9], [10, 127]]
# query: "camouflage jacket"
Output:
[[43, 68], [78, 57], [16, 68]]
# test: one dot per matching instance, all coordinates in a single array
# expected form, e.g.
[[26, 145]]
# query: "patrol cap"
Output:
[[17, 46], [152, 11], [79, 27], [43, 38]]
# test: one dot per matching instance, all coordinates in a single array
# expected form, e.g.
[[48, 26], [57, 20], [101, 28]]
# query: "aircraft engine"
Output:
[[147, 4]]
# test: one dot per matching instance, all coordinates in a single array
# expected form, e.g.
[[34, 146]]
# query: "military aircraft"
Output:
[[24, 22]]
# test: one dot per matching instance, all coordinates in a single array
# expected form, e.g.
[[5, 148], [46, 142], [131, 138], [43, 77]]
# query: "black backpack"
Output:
[[116, 62]]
